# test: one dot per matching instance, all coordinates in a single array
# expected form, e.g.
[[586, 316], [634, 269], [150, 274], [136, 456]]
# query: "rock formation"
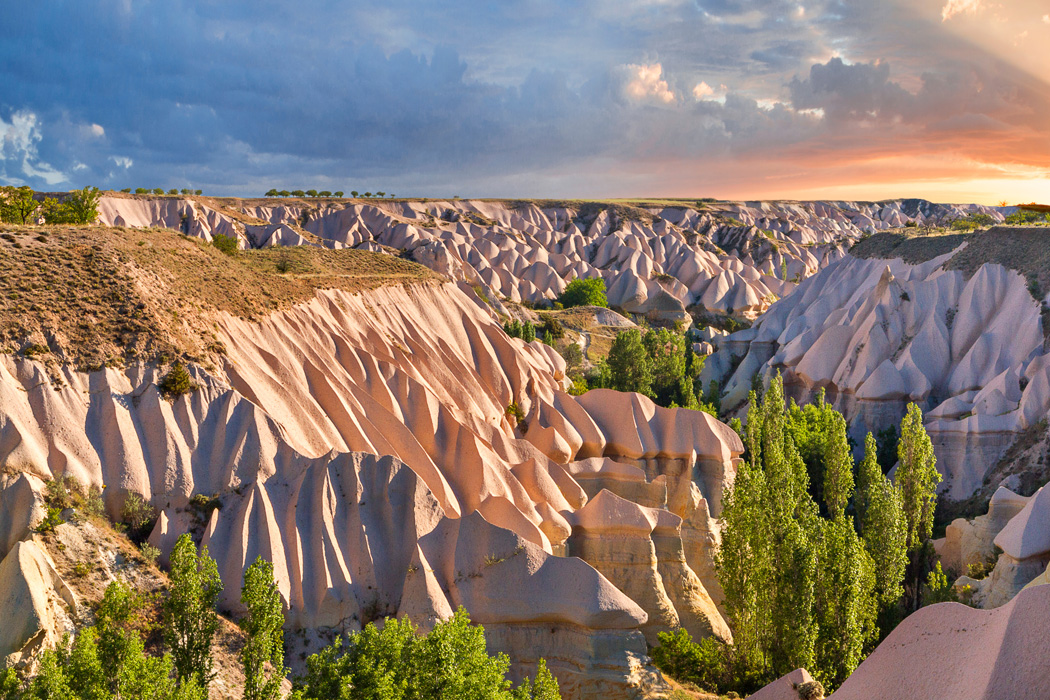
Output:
[[361, 442], [655, 260], [877, 333], [949, 651]]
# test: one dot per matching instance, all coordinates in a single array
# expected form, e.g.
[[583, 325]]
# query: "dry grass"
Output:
[[95, 296], [1025, 249], [912, 248]]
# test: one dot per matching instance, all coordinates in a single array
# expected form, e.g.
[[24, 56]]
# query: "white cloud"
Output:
[[18, 140], [958, 7], [702, 90], [97, 130], [122, 161], [645, 83]]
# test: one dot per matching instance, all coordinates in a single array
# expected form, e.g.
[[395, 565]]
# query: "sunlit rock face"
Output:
[[876, 334], [361, 443]]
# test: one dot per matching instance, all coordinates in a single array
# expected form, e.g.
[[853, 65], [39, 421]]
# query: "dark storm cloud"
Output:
[[238, 96]]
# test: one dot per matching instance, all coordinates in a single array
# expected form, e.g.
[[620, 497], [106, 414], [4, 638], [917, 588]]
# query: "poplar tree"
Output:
[[880, 517], [190, 620], [264, 625], [917, 477]]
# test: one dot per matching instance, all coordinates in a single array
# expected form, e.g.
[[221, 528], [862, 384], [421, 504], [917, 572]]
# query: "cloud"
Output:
[[861, 91], [645, 83], [702, 90], [958, 7], [18, 146], [492, 98]]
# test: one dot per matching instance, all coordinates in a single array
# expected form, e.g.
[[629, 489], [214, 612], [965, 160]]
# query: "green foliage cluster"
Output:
[[660, 364], [79, 207], [106, 661], [305, 193], [396, 663], [19, 205], [584, 292], [516, 329], [190, 620], [264, 625], [1023, 216], [971, 222], [159, 190], [138, 517], [225, 244], [176, 382], [812, 566]]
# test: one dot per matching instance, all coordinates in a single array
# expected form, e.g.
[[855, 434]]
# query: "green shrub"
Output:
[[394, 663], [150, 553], [514, 411], [226, 244], [528, 332], [584, 292], [79, 207], [138, 516], [52, 520], [176, 382], [704, 663]]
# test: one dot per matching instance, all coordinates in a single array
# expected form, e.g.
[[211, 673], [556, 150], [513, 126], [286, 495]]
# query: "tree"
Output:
[[190, 620], [666, 350], [17, 204], [79, 207], [298, 193], [340, 194], [880, 515], [311, 193], [272, 193], [584, 292], [380, 194], [917, 477], [158, 190], [324, 193], [116, 619], [528, 332], [284, 193], [394, 663], [264, 626], [353, 193], [173, 191], [630, 368]]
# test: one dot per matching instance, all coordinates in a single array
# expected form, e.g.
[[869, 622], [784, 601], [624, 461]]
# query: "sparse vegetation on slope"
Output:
[[93, 296]]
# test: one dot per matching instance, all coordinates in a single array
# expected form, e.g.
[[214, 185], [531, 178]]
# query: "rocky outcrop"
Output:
[[970, 542], [34, 600], [950, 651], [361, 443], [656, 261], [876, 334]]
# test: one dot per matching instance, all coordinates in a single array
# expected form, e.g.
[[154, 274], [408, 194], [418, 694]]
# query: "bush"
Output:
[[138, 516], [52, 520], [584, 292], [176, 382], [80, 207], [394, 663], [149, 553], [704, 664], [226, 244]]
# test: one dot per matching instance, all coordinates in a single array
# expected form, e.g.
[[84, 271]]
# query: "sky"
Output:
[[738, 99]]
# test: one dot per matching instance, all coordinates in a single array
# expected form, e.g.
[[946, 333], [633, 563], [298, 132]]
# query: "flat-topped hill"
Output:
[[98, 295], [1025, 249]]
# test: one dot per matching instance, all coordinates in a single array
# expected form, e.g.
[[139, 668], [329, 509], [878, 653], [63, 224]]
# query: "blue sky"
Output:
[[730, 98]]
